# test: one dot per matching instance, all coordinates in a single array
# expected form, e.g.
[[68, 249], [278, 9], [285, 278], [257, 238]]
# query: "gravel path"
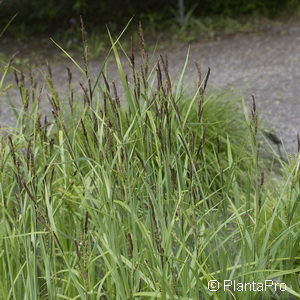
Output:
[[265, 64]]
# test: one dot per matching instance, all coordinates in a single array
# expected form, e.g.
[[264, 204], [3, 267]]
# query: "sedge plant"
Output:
[[142, 191]]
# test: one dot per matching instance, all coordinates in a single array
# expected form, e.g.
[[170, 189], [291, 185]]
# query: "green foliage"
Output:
[[56, 15], [141, 194], [237, 7]]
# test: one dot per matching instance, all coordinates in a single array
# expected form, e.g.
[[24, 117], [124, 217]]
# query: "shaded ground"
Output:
[[264, 63]]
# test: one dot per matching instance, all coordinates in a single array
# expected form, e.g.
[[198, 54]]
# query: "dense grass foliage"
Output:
[[147, 193]]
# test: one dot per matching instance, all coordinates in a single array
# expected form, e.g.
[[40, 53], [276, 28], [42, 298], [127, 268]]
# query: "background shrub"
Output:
[[49, 15]]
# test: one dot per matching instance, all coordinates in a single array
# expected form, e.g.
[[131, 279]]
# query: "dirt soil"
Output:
[[264, 63]]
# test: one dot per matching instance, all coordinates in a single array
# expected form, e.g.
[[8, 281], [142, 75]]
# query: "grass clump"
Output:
[[144, 194]]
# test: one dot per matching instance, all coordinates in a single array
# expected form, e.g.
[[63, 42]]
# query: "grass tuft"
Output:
[[142, 192]]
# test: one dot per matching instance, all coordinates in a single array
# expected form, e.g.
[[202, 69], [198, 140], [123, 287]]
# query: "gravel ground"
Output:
[[264, 63]]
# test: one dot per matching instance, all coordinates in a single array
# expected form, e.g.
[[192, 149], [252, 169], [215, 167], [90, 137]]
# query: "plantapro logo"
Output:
[[235, 286]]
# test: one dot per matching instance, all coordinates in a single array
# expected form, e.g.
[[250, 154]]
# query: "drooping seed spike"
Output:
[[206, 79]]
